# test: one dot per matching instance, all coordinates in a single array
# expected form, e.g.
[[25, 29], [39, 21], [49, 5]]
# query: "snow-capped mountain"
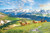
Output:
[[27, 11], [48, 11], [42, 12]]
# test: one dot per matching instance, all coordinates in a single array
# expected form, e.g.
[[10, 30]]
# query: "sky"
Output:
[[25, 4]]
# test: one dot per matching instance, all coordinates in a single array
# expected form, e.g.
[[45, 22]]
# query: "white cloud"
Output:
[[19, 4], [45, 6], [8, 2], [30, 0], [24, 1]]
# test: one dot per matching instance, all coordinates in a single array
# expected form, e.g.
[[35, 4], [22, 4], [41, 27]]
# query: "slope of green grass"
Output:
[[45, 28], [23, 29]]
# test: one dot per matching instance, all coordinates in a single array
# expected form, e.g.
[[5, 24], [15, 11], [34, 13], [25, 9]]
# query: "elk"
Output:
[[22, 23], [27, 23], [39, 21], [34, 21], [45, 21]]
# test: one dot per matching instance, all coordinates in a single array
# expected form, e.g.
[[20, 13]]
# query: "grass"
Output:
[[27, 28], [45, 28], [23, 29], [12, 18]]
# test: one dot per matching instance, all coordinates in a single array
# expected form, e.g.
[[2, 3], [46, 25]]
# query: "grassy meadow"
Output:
[[15, 27], [45, 28]]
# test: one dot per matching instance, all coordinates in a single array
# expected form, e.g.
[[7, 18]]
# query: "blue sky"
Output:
[[25, 4]]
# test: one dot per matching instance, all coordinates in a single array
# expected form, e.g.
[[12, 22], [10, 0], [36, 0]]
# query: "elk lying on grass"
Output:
[[27, 23], [39, 21], [36, 21], [45, 21], [22, 23]]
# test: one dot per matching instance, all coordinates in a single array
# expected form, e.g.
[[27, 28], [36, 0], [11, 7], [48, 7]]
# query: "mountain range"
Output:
[[44, 13]]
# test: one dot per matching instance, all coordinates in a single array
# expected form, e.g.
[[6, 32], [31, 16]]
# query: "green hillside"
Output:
[[15, 27], [45, 28]]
